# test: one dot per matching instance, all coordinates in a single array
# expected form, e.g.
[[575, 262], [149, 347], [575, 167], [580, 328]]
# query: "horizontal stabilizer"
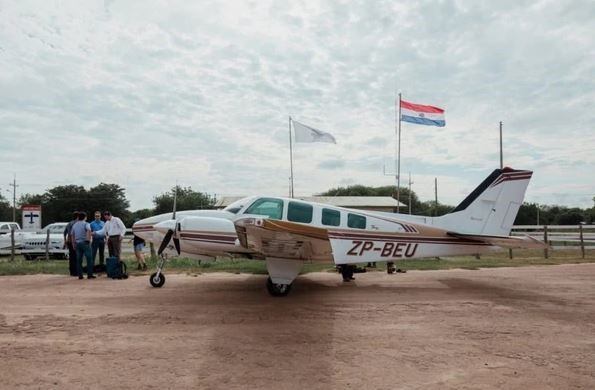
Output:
[[525, 242]]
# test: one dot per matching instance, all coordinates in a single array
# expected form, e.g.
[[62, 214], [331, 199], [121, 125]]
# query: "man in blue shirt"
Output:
[[98, 243], [71, 245], [81, 236]]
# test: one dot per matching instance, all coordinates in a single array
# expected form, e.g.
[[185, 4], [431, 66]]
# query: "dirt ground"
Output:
[[529, 328]]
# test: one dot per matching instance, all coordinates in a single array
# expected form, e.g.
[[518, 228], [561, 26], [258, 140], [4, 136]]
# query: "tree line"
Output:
[[529, 213], [59, 202]]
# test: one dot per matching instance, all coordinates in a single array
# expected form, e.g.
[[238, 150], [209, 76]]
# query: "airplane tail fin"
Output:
[[492, 207]]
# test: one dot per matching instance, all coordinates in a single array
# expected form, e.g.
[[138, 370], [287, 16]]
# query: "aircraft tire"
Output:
[[157, 281], [278, 290]]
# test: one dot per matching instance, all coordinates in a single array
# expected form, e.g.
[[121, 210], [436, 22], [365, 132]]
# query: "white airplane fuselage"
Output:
[[360, 236]]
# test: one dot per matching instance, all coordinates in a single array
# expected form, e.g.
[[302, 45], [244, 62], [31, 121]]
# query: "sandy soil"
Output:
[[529, 328]]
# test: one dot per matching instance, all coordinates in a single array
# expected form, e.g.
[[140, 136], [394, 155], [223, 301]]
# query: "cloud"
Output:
[[144, 96]]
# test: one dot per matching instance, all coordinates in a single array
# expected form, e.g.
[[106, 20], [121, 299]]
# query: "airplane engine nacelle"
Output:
[[210, 234]]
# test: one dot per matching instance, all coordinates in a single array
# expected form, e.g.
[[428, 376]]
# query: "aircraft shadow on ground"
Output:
[[257, 340]]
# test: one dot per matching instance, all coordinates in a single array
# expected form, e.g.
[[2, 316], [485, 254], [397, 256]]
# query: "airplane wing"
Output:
[[525, 242], [288, 240]]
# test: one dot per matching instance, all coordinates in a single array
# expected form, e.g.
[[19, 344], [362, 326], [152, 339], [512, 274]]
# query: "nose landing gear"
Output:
[[157, 279], [277, 289]]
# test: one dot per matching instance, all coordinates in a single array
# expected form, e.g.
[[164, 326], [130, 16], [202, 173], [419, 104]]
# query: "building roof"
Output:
[[339, 201]]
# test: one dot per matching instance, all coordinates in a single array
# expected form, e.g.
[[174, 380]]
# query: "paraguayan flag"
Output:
[[421, 114]]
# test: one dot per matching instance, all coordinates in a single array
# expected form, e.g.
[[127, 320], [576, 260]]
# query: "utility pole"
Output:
[[398, 146], [14, 197], [410, 182], [436, 196], [501, 157], [537, 214]]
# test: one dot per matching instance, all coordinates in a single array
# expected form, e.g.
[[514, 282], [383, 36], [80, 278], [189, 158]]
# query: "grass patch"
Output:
[[496, 259]]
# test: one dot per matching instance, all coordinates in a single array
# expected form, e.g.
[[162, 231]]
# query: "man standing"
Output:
[[81, 235], [71, 245], [114, 230], [98, 244]]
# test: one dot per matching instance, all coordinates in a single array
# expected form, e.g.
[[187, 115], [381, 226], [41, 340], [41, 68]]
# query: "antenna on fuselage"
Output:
[[175, 200]]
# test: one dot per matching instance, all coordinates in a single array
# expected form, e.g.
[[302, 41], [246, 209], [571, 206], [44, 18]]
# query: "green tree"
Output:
[[187, 199], [572, 216], [58, 203], [527, 214], [141, 214], [5, 209]]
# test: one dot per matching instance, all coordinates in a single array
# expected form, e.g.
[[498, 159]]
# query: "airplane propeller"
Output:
[[171, 233]]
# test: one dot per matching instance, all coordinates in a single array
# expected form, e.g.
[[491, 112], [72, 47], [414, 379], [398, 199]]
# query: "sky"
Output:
[[149, 93]]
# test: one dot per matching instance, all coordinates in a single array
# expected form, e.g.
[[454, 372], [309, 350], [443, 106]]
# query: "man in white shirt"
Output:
[[114, 230]]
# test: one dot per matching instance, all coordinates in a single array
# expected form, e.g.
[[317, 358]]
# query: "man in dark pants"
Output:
[[98, 244], [71, 245], [81, 235], [114, 230]]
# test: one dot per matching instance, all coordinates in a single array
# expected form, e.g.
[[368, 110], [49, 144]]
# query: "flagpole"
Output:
[[398, 130], [501, 156], [290, 160]]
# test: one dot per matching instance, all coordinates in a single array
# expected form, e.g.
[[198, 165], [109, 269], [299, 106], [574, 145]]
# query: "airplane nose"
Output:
[[164, 226]]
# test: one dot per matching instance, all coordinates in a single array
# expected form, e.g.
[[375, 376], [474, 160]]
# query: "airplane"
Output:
[[288, 232]]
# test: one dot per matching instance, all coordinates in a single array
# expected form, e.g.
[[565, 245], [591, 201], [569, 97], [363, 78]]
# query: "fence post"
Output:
[[153, 254], [510, 253], [12, 244], [47, 245], [545, 251], [580, 229]]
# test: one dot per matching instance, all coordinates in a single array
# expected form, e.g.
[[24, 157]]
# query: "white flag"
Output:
[[305, 133]]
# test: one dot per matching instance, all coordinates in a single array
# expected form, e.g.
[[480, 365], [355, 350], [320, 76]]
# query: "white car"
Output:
[[34, 245], [19, 235]]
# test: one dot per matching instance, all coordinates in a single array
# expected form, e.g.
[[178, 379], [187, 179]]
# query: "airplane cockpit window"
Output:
[[299, 212], [271, 207], [356, 221], [331, 217]]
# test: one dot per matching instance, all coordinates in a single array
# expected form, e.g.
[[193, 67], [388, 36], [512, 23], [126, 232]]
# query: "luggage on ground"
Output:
[[115, 268]]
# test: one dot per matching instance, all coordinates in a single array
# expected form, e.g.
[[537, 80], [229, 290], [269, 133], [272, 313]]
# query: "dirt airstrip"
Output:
[[523, 328]]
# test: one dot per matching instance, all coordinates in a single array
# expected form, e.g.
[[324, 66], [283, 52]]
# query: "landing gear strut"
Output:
[[390, 267], [158, 279], [276, 289]]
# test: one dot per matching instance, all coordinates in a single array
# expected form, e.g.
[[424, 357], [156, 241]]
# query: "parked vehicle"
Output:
[[19, 235], [34, 245]]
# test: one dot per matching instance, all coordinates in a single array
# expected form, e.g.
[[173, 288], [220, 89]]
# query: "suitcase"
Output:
[[115, 268]]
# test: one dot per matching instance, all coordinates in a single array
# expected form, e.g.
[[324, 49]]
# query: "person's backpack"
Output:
[[115, 268]]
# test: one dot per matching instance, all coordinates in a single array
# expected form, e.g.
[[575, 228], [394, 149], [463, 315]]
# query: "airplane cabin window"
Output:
[[271, 207], [299, 212], [356, 221], [331, 217]]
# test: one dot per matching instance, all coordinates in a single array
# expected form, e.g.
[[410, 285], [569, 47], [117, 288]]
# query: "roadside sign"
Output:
[[31, 217]]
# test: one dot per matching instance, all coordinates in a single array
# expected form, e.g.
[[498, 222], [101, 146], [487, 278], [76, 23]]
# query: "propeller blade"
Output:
[[176, 239], [177, 244], [165, 241]]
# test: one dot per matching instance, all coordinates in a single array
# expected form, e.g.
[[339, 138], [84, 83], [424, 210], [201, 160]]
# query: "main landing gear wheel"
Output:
[[390, 268], [157, 279], [278, 290]]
